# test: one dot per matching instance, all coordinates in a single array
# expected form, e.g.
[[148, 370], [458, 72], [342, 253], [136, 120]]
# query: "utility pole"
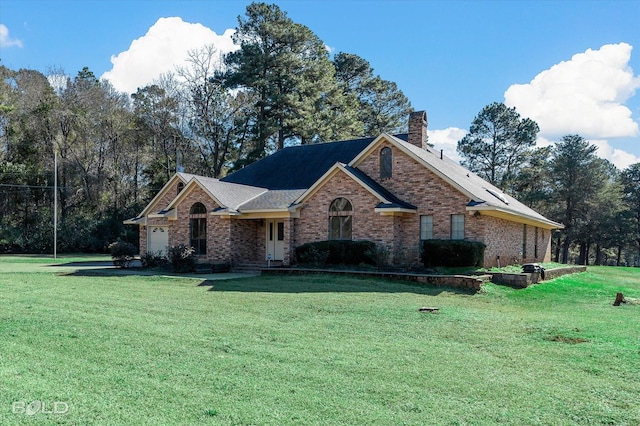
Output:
[[55, 203]]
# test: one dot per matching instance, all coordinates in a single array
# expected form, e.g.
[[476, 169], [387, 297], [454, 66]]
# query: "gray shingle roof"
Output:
[[274, 199], [297, 167], [230, 195], [480, 192]]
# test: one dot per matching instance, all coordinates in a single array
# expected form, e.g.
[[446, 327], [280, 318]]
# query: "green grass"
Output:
[[37, 259], [325, 350]]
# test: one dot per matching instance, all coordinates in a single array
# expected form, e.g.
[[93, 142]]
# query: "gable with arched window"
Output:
[[386, 163], [340, 219], [198, 228]]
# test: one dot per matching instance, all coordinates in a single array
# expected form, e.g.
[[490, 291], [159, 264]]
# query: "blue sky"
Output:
[[573, 66]]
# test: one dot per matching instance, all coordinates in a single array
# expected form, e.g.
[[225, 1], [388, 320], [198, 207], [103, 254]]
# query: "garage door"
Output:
[[157, 239]]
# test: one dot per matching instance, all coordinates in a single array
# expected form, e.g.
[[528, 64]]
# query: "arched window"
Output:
[[180, 187], [340, 219], [386, 163], [198, 228]]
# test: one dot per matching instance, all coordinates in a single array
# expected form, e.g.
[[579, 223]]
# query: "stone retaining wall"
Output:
[[464, 282], [524, 280], [455, 281]]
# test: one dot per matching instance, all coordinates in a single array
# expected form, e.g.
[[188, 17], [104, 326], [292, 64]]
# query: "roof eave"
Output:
[[171, 214], [498, 212], [178, 199], [162, 191], [136, 221], [282, 213]]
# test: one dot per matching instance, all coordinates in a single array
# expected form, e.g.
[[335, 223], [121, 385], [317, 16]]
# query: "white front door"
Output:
[[275, 239], [157, 239]]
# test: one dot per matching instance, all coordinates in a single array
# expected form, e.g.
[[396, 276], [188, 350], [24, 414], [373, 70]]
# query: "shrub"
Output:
[[152, 259], [312, 256], [379, 254], [182, 258], [452, 253], [338, 252], [122, 253]]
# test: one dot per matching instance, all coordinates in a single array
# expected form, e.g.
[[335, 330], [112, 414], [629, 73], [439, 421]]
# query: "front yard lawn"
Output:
[[118, 348]]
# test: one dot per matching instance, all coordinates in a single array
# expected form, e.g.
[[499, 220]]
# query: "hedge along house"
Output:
[[393, 190]]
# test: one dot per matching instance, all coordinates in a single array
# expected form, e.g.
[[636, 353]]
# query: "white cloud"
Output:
[[160, 50], [6, 40], [447, 141], [541, 142], [620, 158], [584, 95]]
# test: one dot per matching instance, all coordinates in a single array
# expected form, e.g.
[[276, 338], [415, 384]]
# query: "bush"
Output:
[[380, 255], [122, 253], [182, 258], [152, 259], [312, 256], [337, 252], [452, 253]]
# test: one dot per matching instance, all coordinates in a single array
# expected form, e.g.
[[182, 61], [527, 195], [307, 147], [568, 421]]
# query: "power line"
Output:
[[20, 185]]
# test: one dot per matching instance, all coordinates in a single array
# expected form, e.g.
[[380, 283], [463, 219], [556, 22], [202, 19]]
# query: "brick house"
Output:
[[394, 190]]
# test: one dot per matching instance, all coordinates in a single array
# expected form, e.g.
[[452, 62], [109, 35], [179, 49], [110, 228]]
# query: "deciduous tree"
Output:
[[211, 112]]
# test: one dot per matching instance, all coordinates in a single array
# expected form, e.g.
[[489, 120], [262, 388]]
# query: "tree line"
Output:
[[214, 115], [219, 113]]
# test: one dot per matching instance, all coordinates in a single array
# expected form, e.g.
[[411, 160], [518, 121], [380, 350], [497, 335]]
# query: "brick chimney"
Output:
[[418, 129]]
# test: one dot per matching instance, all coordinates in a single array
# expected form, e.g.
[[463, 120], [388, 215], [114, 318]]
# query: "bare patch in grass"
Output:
[[566, 339]]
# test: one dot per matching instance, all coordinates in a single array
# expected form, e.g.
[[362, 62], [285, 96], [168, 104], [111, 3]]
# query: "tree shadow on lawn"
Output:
[[328, 284], [313, 283]]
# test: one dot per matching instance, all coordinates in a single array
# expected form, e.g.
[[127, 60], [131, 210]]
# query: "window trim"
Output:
[[426, 233], [340, 218], [386, 163], [198, 221], [457, 233]]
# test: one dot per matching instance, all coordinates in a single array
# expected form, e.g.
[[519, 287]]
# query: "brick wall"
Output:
[[400, 234], [505, 239], [142, 240], [415, 184], [289, 227], [247, 240], [218, 229], [313, 224]]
